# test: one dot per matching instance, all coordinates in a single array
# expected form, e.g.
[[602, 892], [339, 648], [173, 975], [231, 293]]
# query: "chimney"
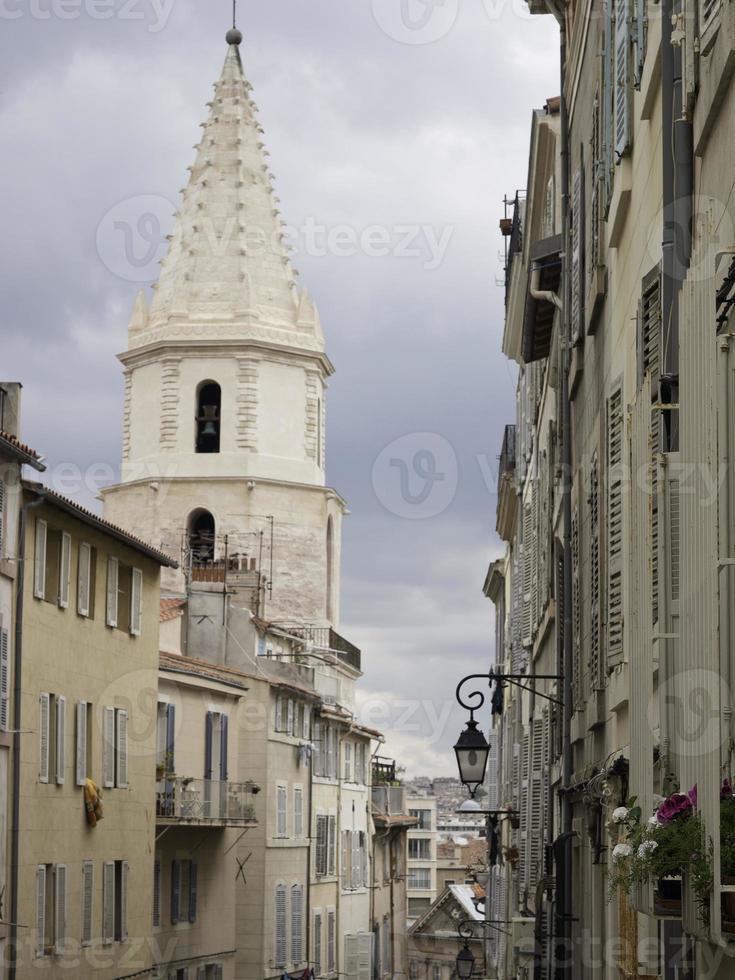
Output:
[[10, 392]]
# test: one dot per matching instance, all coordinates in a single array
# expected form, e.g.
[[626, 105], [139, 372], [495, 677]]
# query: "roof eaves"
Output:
[[18, 450]]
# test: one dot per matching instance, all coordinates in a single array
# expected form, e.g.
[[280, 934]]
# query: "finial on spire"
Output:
[[234, 36]]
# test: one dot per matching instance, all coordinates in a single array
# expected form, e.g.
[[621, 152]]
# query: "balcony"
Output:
[[181, 801], [324, 638], [505, 522], [389, 807], [512, 230]]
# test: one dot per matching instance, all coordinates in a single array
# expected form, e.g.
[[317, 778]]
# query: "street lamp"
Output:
[[472, 751], [465, 962]]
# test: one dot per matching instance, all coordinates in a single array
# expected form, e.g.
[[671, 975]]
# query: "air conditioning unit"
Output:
[[523, 938]]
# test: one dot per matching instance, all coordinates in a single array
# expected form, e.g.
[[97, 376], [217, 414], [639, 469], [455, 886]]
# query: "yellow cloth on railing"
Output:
[[92, 802]]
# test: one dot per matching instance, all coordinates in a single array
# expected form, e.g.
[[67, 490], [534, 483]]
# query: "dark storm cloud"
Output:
[[363, 131]]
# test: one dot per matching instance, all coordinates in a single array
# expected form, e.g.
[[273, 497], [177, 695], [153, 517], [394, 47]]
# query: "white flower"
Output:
[[653, 821], [647, 847], [620, 815], [621, 851]]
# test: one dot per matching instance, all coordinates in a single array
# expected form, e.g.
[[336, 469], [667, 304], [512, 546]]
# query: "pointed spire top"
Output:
[[234, 36]]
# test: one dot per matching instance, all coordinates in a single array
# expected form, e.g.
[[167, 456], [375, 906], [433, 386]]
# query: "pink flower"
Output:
[[677, 805]]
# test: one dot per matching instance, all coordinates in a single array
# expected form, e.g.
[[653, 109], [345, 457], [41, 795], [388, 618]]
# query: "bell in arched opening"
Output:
[[208, 418], [201, 537]]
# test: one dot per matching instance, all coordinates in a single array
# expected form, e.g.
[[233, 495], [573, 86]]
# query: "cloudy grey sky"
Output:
[[388, 113]]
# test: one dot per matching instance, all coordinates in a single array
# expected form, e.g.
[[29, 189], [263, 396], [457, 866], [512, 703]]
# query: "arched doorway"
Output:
[[201, 534], [208, 417]]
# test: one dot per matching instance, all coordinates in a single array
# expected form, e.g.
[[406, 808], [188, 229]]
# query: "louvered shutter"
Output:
[[576, 271], [39, 569], [528, 573], [193, 890], [224, 763], [175, 892], [524, 798], [4, 680], [280, 951], [112, 576], [655, 450], [170, 737], [622, 78], [41, 910], [386, 946], [136, 602], [321, 845], [348, 762], [641, 39], [87, 901], [351, 956], [108, 902], [306, 732], [298, 812], [493, 794], [156, 894], [536, 804], [3, 552], [279, 714], [59, 908], [81, 756], [364, 956], [615, 476], [281, 811], [607, 115], [331, 941], [201, 973], [649, 332], [346, 858], [83, 578], [121, 750], [576, 604], [290, 718], [356, 863], [318, 762], [598, 165], [108, 747], [123, 924], [708, 10], [65, 570], [208, 733], [60, 773], [595, 659], [317, 943], [297, 924], [332, 844], [44, 733]]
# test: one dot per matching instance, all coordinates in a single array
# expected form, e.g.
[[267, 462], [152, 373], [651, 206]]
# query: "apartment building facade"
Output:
[[620, 328], [421, 870]]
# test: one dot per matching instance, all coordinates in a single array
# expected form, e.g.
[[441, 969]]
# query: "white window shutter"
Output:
[[622, 78], [41, 910], [87, 901], [39, 568], [289, 719], [59, 908], [364, 956], [331, 940], [84, 572], [348, 762], [297, 924], [44, 730], [641, 39], [124, 874], [317, 943], [3, 553], [108, 747], [280, 950], [279, 714], [81, 758], [136, 602], [305, 734], [298, 812], [65, 570], [281, 814], [576, 272], [363, 860], [4, 680], [351, 956], [614, 515], [60, 739], [121, 750], [112, 575], [108, 902]]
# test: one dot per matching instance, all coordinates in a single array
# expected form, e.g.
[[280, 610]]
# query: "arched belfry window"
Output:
[[201, 531], [208, 417]]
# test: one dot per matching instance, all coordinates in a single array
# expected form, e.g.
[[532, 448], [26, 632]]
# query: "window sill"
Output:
[[8, 569]]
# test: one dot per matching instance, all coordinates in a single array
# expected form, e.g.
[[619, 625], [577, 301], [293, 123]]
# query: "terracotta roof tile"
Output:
[[171, 609], [201, 668], [20, 448]]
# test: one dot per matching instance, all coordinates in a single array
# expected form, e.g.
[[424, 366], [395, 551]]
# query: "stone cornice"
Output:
[[149, 353]]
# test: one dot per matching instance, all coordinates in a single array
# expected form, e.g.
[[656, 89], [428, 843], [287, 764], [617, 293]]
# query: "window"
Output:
[[331, 940], [419, 878], [332, 845], [202, 538], [114, 901], [156, 894], [51, 881], [165, 737], [84, 739], [354, 860], [4, 679], [322, 843], [280, 950], [348, 762], [386, 946], [423, 817], [87, 902], [298, 811], [358, 955], [52, 738], [124, 597], [208, 417], [114, 748], [419, 849], [436, 971], [86, 576], [413, 970], [286, 716], [297, 924], [52, 564], [317, 942], [216, 746], [281, 810], [183, 891]]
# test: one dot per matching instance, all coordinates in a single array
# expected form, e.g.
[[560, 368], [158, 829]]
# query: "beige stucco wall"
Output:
[[83, 659]]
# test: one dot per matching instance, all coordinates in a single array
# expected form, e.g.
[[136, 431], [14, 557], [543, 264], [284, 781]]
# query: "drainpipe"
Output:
[[544, 294], [17, 702]]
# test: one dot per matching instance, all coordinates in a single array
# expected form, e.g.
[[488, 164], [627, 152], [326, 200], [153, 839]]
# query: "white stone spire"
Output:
[[227, 274]]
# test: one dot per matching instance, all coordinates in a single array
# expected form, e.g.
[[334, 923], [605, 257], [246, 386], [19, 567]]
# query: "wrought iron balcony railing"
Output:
[[390, 800], [324, 638], [182, 800]]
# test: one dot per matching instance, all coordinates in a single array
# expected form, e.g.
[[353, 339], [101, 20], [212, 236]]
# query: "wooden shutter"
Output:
[[332, 844], [317, 943], [493, 794], [175, 891], [321, 845], [524, 794], [289, 718], [223, 748], [306, 722], [136, 602], [622, 78], [44, 730], [536, 804], [298, 812], [65, 570], [4, 680], [81, 755], [60, 773], [346, 859], [121, 749], [576, 603], [108, 747], [297, 924], [596, 196], [364, 956], [41, 910], [112, 576], [576, 270], [208, 734], [156, 894], [108, 902], [87, 902], [653, 509], [348, 762], [331, 941], [279, 714], [3, 553], [649, 332], [170, 737], [123, 924], [351, 956], [281, 811], [280, 950], [594, 577], [615, 476], [528, 572], [641, 39], [39, 569], [193, 886], [607, 114], [84, 572], [363, 857]]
